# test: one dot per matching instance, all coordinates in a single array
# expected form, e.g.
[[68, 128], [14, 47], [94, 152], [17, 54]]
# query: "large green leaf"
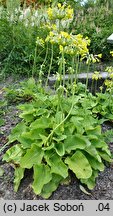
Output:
[[28, 117], [105, 156], [51, 186], [17, 131], [26, 140], [100, 144], [90, 182], [94, 130], [56, 163], [28, 112], [74, 142], [35, 133], [19, 174], [42, 122], [95, 164], [33, 156], [42, 175], [59, 117], [41, 111], [92, 151], [78, 123], [26, 107], [60, 138], [14, 154], [79, 164], [59, 147]]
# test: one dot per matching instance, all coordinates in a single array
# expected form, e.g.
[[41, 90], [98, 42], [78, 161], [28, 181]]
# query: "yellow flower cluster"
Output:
[[96, 75], [60, 12], [68, 43], [109, 85], [110, 71], [111, 52], [92, 58], [62, 38], [40, 42]]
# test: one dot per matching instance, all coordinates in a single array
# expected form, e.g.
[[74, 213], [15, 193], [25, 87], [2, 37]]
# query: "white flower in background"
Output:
[[18, 10], [26, 23], [36, 14], [27, 12], [21, 17], [32, 24], [11, 18]]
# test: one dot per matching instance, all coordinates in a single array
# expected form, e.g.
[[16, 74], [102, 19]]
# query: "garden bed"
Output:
[[104, 183]]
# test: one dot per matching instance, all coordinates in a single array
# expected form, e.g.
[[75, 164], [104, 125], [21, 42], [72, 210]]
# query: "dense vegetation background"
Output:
[[18, 34]]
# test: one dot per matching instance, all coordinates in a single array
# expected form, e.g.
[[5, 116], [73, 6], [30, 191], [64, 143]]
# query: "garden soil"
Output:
[[71, 191]]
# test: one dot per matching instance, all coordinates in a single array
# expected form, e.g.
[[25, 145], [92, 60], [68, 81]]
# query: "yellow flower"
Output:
[[100, 55], [50, 13], [109, 69], [54, 27], [111, 75], [40, 42], [101, 88], [65, 34], [51, 34], [59, 5], [69, 12], [61, 48], [109, 85], [96, 75], [111, 52]]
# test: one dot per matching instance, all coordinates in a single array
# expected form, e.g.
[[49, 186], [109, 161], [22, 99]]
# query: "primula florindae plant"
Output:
[[59, 132]]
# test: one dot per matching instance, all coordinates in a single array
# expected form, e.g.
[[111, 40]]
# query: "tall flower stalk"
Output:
[[50, 66]]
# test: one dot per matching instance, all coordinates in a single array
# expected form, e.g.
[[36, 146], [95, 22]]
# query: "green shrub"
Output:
[[96, 23]]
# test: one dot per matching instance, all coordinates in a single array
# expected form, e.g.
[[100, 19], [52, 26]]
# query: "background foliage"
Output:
[[93, 19]]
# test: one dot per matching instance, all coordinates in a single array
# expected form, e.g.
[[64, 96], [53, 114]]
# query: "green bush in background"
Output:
[[96, 22]]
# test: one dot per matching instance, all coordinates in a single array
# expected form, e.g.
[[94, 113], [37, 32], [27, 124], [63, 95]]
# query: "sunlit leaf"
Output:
[[74, 142], [57, 165], [14, 154], [51, 186], [105, 156], [17, 131], [90, 182], [26, 140], [42, 122], [19, 174], [79, 164], [95, 164], [92, 151], [59, 147], [42, 175], [33, 156], [94, 131]]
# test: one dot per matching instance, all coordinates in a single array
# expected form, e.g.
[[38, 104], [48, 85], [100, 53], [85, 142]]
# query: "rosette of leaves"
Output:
[[53, 139]]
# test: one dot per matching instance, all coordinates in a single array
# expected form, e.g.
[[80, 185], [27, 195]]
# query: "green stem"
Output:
[[63, 65], [59, 124], [72, 72], [76, 72], [41, 67], [34, 63], [87, 78], [51, 61]]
